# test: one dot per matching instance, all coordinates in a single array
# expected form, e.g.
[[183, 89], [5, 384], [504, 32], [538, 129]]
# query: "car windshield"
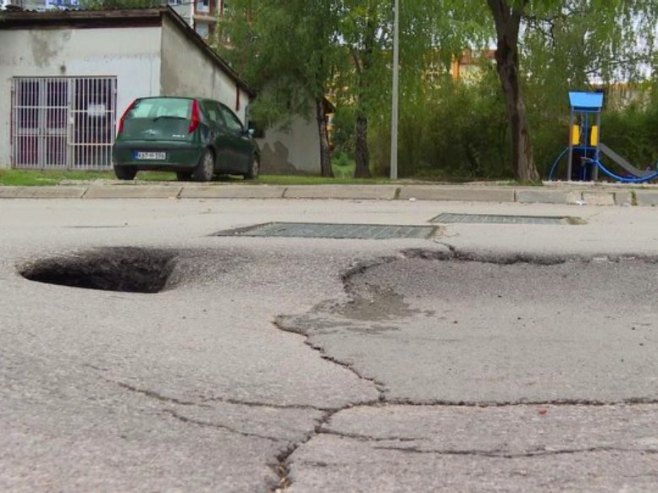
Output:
[[157, 108]]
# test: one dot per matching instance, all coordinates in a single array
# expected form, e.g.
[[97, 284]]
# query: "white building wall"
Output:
[[187, 71], [134, 59], [293, 150]]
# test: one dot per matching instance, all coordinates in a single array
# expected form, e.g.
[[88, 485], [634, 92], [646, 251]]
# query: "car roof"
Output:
[[191, 98]]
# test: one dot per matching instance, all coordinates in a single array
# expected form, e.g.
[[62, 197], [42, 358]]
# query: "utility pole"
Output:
[[395, 112]]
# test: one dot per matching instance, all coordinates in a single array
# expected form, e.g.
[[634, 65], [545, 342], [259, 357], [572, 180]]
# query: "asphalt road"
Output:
[[487, 358]]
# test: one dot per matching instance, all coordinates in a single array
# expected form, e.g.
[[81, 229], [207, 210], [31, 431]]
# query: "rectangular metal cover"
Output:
[[450, 218], [335, 231]]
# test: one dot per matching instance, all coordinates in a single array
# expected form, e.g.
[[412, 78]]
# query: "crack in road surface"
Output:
[[282, 465], [280, 324], [219, 426], [382, 303], [305, 328], [503, 455]]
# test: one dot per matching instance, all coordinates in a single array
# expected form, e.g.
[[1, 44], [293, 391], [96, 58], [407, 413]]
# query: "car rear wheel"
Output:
[[183, 176], [254, 168], [206, 167], [125, 172]]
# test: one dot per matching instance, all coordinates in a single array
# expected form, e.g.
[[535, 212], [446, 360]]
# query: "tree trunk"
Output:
[[507, 64], [325, 156], [362, 169], [363, 62]]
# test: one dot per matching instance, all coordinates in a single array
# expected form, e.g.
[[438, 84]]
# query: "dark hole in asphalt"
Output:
[[127, 270]]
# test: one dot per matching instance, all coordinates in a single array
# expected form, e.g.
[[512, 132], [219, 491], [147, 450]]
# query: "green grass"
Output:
[[31, 178], [317, 180], [15, 177]]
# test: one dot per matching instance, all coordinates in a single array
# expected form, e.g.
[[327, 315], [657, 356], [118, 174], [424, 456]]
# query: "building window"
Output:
[[202, 29], [202, 6], [63, 122]]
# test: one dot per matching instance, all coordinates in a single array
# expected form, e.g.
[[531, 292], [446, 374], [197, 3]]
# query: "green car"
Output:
[[196, 138]]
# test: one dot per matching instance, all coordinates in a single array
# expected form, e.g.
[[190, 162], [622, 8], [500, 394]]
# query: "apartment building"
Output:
[[201, 15], [36, 5]]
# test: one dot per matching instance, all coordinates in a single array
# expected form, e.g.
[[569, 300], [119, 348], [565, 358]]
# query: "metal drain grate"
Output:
[[335, 231], [449, 218]]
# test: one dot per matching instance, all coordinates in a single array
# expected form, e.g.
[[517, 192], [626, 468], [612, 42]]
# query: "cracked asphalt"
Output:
[[489, 358]]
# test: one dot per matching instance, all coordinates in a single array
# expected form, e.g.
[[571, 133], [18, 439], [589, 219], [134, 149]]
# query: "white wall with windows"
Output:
[[62, 88], [39, 5], [36, 65]]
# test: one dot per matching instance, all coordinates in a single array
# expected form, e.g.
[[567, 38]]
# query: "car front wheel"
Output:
[[125, 172], [206, 167]]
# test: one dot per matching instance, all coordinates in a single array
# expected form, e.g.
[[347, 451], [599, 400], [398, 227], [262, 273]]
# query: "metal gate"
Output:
[[63, 122]]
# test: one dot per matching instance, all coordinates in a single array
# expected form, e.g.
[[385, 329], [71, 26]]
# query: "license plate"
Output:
[[150, 156]]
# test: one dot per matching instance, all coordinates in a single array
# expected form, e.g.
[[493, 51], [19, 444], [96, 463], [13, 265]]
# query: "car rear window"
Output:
[[161, 107]]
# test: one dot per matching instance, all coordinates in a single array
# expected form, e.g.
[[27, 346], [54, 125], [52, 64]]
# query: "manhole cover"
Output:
[[336, 231], [450, 218]]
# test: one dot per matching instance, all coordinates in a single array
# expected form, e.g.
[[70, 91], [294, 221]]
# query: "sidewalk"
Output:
[[552, 193]]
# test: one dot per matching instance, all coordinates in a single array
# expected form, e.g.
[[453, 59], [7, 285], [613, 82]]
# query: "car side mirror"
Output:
[[255, 130]]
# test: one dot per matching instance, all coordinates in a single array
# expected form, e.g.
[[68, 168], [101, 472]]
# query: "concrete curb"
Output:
[[568, 194], [475, 194], [42, 192], [133, 192], [232, 192], [353, 192]]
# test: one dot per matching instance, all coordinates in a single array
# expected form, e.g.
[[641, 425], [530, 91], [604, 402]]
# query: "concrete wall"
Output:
[[130, 54], [294, 150], [187, 71]]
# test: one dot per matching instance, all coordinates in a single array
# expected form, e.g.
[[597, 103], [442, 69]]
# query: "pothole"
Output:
[[127, 270]]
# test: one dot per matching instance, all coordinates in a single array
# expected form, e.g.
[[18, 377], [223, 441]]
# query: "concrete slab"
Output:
[[517, 449], [133, 192], [599, 198], [647, 198], [472, 194], [232, 192], [624, 197], [53, 192], [8, 192], [541, 196], [355, 192], [530, 339]]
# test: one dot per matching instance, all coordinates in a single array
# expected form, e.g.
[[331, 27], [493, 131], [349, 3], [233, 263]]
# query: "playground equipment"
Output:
[[586, 149]]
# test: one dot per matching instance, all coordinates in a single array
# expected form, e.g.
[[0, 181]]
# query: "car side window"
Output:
[[212, 110], [232, 122]]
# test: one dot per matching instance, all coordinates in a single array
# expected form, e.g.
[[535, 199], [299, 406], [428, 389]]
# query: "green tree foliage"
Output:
[[365, 30], [450, 130], [292, 50], [514, 112], [545, 47], [288, 52], [301, 50], [585, 45]]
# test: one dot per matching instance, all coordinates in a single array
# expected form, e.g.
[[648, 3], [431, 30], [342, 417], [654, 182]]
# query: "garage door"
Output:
[[63, 122]]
